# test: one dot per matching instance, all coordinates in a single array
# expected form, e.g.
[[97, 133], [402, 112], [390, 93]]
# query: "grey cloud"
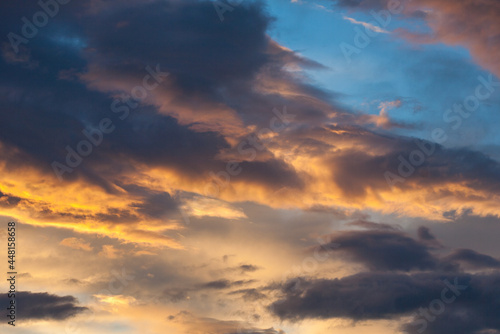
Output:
[[473, 259], [382, 250], [373, 226], [224, 284], [42, 305], [367, 296]]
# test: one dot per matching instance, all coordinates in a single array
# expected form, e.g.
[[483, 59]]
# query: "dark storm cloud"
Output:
[[274, 173], [43, 113], [385, 293], [382, 250], [157, 205], [159, 140], [40, 108], [360, 172], [40, 120], [187, 39], [387, 250], [42, 305], [475, 311], [475, 169], [356, 171], [360, 297], [387, 296], [473, 259], [206, 59]]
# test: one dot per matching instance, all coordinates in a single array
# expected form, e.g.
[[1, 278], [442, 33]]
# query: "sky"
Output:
[[257, 167]]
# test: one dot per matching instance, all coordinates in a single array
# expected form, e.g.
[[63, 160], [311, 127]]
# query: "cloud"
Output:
[[176, 137], [175, 295], [210, 325], [191, 125], [382, 120], [76, 243], [42, 305], [249, 295], [198, 206], [386, 292], [115, 300], [157, 205], [425, 234], [187, 292], [373, 226], [224, 284], [370, 296], [473, 259], [360, 297], [451, 22], [248, 268], [382, 250], [367, 25], [9, 201], [108, 251], [225, 81], [388, 249]]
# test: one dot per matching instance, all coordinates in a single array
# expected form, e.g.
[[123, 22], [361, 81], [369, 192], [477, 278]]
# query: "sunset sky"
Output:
[[257, 167]]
